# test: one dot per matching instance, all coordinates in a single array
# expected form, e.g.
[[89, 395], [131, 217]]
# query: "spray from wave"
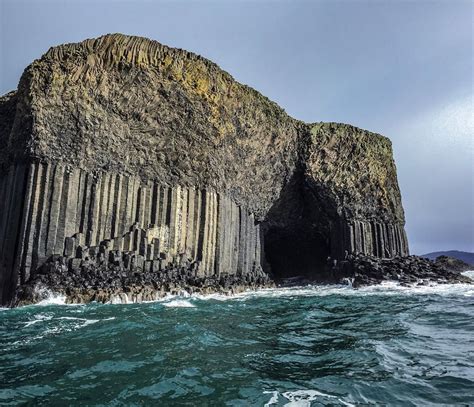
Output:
[[388, 288]]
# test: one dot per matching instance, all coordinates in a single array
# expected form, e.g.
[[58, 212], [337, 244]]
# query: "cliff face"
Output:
[[133, 106], [351, 173], [120, 150]]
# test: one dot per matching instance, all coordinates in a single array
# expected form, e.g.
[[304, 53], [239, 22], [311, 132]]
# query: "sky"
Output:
[[400, 68]]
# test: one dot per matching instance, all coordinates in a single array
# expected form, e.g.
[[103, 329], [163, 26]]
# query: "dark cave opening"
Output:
[[297, 252], [297, 234]]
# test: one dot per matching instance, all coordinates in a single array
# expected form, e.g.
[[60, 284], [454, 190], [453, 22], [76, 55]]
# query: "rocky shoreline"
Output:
[[363, 270], [207, 169], [113, 284], [108, 283]]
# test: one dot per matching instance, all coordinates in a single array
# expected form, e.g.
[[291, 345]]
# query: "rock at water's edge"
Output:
[[120, 152]]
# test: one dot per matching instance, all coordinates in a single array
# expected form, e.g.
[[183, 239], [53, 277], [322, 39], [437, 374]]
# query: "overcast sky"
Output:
[[400, 68]]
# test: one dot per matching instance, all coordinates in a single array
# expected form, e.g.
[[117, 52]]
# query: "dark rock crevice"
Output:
[[122, 154], [297, 233]]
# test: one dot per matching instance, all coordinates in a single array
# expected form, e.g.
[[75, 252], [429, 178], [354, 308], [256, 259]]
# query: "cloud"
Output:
[[435, 160]]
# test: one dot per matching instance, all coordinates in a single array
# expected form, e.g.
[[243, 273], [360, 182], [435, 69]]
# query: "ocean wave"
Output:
[[312, 290], [469, 273], [312, 345], [53, 326], [82, 321], [384, 289], [388, 288], [179, 304], [303, 398], [53, 299], [38, 318], [49, 318]]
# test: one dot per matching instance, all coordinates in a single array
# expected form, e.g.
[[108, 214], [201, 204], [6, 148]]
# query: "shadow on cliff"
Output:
[[297, 234]]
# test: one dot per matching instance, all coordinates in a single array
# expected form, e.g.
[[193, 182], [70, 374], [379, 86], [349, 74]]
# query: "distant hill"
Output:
[[464, 256]]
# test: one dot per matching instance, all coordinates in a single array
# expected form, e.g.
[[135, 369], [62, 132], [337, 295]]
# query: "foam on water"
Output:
[[469, 273], [273, 400], [386, 288], [54, 326], [49, 297], [179, 304], [124, 298], [83, 321], [296, 346], [38, 318], [302, 398], [53, 299]]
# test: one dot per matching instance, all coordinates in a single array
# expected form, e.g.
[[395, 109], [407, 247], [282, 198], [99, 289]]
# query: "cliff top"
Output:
[[131, 105], [120, 50]]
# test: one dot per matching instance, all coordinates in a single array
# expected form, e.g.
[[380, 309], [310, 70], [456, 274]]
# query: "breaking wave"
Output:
[[298, 346], [179, 304], [388, 288]]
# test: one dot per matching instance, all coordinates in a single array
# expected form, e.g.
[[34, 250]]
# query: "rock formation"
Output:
[[453, 264], [121, 152], [363, 270]]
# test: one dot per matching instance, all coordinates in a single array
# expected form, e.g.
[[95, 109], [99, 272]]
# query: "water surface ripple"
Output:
[[304, 346]]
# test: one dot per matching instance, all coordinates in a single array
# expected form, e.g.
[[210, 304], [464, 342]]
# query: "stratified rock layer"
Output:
[[123, 153]]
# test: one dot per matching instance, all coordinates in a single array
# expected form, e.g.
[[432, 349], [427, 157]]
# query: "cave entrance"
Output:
[[299, 251], [297, 234]]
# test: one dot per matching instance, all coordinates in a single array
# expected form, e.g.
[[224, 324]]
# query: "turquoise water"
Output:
[[306, 346]]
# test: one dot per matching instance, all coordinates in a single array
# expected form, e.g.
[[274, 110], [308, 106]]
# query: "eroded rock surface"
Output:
[[452, 264], [114, 282], [363, 270], [122, 145]]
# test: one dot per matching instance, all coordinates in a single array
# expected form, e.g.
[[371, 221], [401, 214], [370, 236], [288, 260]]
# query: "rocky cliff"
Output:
[[119, 153]]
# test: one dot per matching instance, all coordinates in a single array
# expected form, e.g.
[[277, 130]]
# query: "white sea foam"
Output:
[[49, 297], [303, 398], [428, 288], [53, 299], [72, 325], [386, 288], [89, 322], [39, 318], [179, 304], [124, 298], [56, 326], [74, 322], [84, 321], [273, 400], [469, 273]]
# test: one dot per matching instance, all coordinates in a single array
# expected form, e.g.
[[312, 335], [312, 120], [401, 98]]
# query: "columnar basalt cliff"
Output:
[[121, 154]]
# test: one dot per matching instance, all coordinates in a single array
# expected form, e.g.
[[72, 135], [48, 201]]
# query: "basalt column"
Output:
[[15, 183], [126, 153], [351, 176], [52, 210]]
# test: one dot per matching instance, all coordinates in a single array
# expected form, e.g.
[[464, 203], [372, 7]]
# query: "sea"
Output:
[[299, 346]]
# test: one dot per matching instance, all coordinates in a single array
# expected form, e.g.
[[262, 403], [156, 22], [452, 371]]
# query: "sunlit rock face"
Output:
[[120, 153]]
